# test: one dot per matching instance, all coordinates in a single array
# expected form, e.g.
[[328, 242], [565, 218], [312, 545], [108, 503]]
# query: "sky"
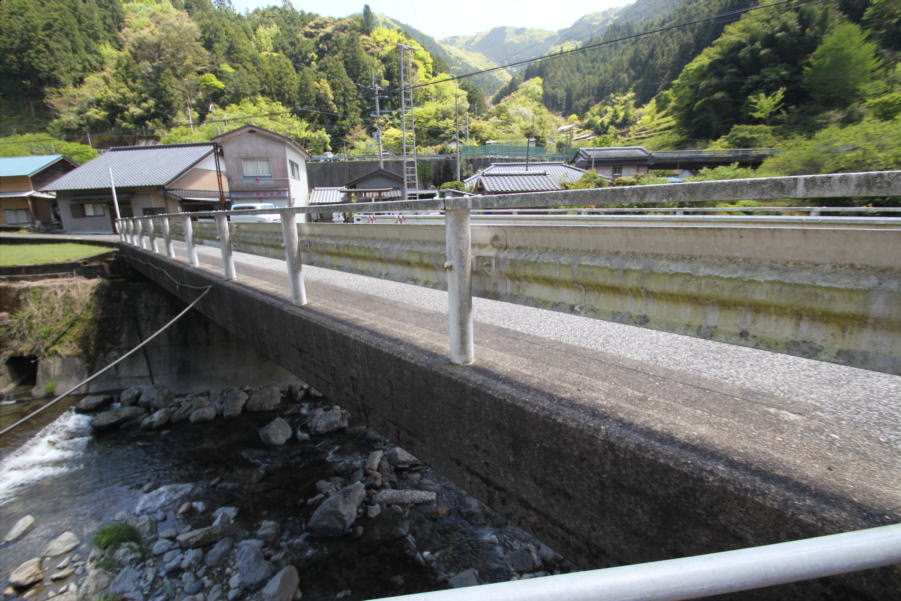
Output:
[[459, 17]]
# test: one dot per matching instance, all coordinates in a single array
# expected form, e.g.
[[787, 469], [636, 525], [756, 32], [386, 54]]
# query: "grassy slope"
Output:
[[29, 254]]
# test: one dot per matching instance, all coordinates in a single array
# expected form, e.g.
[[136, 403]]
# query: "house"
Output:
[[149, 180], [615, 161], [510, 178], [21, 179], [265, 166], [380, 184]]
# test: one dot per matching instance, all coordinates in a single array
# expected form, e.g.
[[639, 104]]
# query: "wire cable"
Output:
[[108, 367]]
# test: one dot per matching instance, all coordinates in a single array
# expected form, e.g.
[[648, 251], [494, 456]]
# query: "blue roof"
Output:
[[18, 166]]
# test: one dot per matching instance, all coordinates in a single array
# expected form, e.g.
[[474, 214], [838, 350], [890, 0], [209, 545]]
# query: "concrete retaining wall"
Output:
[[827, 294]]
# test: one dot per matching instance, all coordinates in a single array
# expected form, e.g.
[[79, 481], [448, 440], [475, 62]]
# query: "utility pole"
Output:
[[378, 118], [408, 122], [457, 133]]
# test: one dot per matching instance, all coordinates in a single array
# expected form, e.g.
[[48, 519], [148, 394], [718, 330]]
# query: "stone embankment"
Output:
[[300, 503]]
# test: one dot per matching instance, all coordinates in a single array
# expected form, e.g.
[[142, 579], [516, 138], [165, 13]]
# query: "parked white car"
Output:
[[268, 218]]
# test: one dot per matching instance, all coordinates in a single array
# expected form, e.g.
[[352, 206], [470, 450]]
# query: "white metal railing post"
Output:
[[139, 226], [128, 238], [120, 229], [189, 241], [225, 244], [167, 238], [152, 235], [458, 237], [293, 258]]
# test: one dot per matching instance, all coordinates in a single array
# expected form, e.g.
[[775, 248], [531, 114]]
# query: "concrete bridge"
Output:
[[613, 443]]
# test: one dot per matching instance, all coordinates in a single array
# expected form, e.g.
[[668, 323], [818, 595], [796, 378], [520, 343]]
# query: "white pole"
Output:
[[458, 237], [189, 241], [293, 258], [152, 235], [139, 233], [112, 186], [228, 259], [167, 239], [699, 576]]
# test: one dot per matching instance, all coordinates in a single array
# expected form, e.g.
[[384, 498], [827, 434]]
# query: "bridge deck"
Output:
[[599, 437]]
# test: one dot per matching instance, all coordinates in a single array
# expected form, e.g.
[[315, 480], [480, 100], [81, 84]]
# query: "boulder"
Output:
[[282, 587], [163, 497], [155, 398], [465, 578], [204, 414], [116, 417], [225, 516], [130, 396], [156, 420], [337, 513], [332, 420], [127, 583], [27, 574], [267, 398], [276, 433], [200, 537], [61, 545], [268, 531], [23, 525], [401, 458], [95, 585], [92, 403], [233, 401], [215, 555], [250, 565], [404, 497]]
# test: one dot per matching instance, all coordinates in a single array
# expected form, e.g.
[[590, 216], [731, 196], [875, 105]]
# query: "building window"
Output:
[[94, 209], [16, 216], [295, 170], [256, 168], [617, 170]]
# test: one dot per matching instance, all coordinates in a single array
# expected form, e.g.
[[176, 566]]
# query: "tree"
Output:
[[40, 143], [368, 20], [841, 67], [763, 106]]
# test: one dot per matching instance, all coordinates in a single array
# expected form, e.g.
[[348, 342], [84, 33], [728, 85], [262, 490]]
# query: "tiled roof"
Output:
[[524, 177], [19, 166], [326, 196], [134, 167]]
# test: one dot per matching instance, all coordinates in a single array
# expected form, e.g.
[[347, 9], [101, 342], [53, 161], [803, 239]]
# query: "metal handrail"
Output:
[[698, 576]]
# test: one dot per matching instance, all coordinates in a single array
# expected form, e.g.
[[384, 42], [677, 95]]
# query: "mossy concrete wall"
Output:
[[827, 294]]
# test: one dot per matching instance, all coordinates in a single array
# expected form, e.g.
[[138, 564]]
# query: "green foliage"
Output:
[[886, 107], [883, 18], [870, 145], [54, 252], [50, 388], [747, 136], [34, 144], [453, 185], [368, 19], [625, 181], [111, 536], [589, 179], [732, 171], [841, 67], [765, 106]]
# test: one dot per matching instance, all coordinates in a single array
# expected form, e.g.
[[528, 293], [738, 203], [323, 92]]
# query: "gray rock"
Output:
[[401, 458], [92, 403], [62, 574], [191, 559], [156, 420], [23, 525], [275, 433], [404, 497], [302, 436], [204, 414], [337, 513], [128, 553], [332, 420], [161, 546], [215, 555], [282, 587], [192, 584], [200, 537], [268, 531], [373, 511], [225, 516], [163, 497], [171, 555], [130, 396], [215, 593], [522, 560], [267, 398], [116, 417], [127, 583], [61, 545], [373, 460], [465, 578], [155, 398], [233, 401], [27, 574], [95, 585], [250, 565]]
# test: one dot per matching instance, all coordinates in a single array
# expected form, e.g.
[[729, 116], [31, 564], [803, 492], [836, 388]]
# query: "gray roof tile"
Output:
[[524, 177], [134, 167]]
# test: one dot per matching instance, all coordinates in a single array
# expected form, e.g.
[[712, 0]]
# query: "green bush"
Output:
[[626, 181], [111, 536], [886, 107], [454, 185]]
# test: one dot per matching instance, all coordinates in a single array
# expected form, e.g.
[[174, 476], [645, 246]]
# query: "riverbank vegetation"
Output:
[[31, 254]]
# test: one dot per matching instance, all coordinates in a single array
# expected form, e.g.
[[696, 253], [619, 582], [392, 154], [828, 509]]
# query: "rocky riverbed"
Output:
[[291, 499]]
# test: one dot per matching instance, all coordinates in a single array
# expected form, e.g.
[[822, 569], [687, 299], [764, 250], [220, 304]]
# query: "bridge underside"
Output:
[[606, 460]]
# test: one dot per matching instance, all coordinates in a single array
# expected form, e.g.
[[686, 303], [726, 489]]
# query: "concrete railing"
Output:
[[829, 293]]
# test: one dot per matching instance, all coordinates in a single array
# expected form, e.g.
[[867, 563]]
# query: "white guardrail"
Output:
[[684, 578], [141, 231]]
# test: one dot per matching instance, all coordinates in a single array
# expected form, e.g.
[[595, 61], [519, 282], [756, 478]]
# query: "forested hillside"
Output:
[[662, 73]]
